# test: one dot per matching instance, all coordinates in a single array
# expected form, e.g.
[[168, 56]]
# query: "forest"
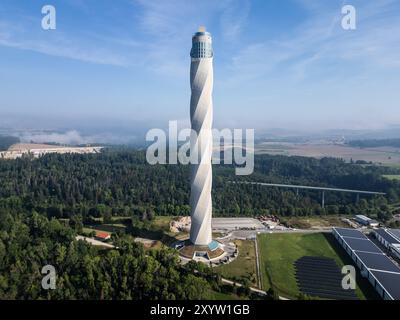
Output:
[[119, 182], [29, 242], [36, 193]]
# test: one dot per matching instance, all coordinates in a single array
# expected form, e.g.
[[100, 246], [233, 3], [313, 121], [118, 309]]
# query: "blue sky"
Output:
[[286, 64]]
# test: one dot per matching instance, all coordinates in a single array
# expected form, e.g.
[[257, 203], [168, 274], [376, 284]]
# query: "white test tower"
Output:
[[201, 116]]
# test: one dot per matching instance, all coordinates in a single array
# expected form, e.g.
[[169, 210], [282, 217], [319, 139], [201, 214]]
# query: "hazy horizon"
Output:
[[115, 131], [125, 66]]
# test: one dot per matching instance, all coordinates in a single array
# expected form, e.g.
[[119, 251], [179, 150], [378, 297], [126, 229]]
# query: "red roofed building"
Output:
[[102, 236]]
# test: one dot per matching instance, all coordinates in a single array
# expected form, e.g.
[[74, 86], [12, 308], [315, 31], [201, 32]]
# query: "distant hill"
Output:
[[373, 143], [7, 141]]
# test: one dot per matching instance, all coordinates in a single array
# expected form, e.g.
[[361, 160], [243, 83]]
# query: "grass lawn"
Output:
[[279, 251], [162, 222], [244, 266]]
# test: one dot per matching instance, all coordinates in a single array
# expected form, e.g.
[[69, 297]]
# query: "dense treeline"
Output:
[[375, 143], [122, 183], [29, 242], [34, 193], [7, 141]]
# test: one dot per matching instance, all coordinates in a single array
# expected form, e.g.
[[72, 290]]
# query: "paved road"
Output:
[[240, 234], [230, 224], [258, 264]]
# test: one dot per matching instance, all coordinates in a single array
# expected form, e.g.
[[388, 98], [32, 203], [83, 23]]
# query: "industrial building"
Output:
[[365, 221], [381, 271], [390, 239]]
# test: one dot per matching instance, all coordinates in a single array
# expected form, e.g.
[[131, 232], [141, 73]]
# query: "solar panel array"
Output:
[[395, 233], [386, 273], [386, 234], [364, 245], [321, 277], [353, 233], [390, 281], [377, 261]]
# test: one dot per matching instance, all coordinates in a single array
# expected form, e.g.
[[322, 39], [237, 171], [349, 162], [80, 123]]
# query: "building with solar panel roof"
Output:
[[390, 239], [373, 263]]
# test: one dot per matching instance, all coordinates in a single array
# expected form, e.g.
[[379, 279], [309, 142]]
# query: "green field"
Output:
[[162, 222], [244, 266], [279, 251], [392, 176]]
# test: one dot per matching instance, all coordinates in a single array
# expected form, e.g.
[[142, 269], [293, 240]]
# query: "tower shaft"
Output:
[[201, 116]]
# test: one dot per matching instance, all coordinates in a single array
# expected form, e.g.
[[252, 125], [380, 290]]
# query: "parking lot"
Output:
[[230, 224]]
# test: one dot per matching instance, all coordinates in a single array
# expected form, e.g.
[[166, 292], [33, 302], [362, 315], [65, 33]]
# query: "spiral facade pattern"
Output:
[[201, 116]]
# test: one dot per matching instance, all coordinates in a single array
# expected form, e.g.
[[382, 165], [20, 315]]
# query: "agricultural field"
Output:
[[279, 251], [382, 155], [244, 266], [392, 176]]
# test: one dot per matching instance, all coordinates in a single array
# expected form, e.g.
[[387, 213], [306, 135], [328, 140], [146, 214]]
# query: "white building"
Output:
[[365, 221]]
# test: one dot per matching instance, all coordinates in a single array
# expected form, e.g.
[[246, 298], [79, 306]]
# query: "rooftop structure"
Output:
[[366, 221], [379, 269], [390, 239], [103, 236], [386, 237]]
